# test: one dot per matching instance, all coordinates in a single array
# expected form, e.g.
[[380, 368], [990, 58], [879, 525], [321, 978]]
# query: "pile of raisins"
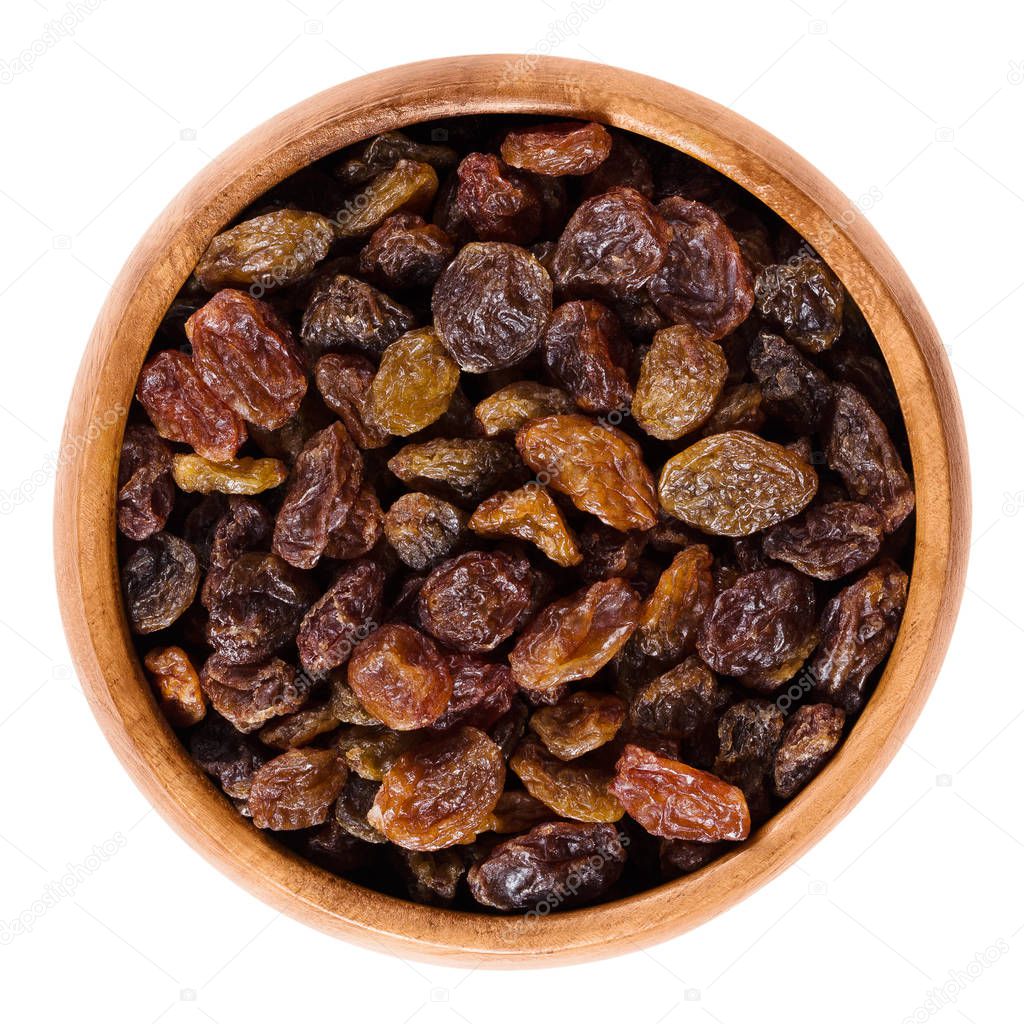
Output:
[[513, 515]]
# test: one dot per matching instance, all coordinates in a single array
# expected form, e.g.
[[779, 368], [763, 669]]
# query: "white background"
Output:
[[917, 107]]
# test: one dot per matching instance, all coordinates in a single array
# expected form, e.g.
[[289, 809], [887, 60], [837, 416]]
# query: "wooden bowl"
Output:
[[87, 574]]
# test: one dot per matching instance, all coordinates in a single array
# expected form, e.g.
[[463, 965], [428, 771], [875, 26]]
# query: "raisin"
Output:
[[183, 408], [568, 147], [300, 728], [440, 793], [414, 384], [682, 705], [287, 441], [795, 391], [575, 636], [235, 476], [344, 380], [406, 252], [670, 617], [587, 352], [432, 877], [370, 751], [600, 468], [334, 849], [467, 469], [500, 204], [256, 607], [352, 807], [145, 489], [482, 691], [223, 752], [341, 618], [159, 581], [827, 541], [812, 732], [681, 379], [249, 695], [805, 299], [735, 484], [296, 789], [490, 306], [177, 685], [704, 281], [682, 856], [612, 246], [245, 526], [529, 514], [511, 406], [748, 735], [761, 628], [672, 800], [861, 452], [578, 724], [858, 629], [508, 730], [246, 355], [607, 552], [408, 185], [561, 863], [575, 789], [423, 529], [517, 811], [344, 311], [322, 488], [740, 407], [383, 151], [399, 676], [274, 249], [362, 528], [625, 166], [344, 704], [475, 601]]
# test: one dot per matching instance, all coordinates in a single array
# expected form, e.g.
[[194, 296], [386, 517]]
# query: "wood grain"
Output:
[[84, 512]]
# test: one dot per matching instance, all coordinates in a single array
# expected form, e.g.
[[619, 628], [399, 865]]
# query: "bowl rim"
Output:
[[84, 535]]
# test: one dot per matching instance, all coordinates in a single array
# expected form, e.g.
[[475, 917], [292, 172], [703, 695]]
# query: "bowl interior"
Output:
[[87, 566]]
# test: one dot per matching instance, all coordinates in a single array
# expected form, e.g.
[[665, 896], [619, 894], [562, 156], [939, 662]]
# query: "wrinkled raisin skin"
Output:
[[490, 306], [145, 488], [475, 601], [400, 677], [674, 801], [540, 868], [576, 636], [159, 581], [600, 468], [442, 792], [735, 484], [761, 628]]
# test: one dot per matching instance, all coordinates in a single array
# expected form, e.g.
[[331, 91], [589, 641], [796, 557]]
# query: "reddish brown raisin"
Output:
[[400, 677], [145, 489], [442, 792], [245, 353], [296, 789], [575, 636], [475, 601], [675, 801], [183, 408]]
